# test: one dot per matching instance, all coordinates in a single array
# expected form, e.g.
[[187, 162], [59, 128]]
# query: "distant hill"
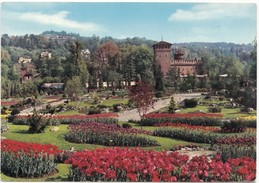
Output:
[[60, 42]]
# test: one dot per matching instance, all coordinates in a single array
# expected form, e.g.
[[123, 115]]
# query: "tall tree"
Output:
[[142, 96]]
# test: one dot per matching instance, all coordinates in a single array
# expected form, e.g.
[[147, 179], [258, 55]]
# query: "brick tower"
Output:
[[163, 55]]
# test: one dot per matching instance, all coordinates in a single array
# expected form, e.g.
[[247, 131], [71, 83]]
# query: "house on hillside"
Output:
[[27, 72], [45, 54], [24, 60], [53, 88]]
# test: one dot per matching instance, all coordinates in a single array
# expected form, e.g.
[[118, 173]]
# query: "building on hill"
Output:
[[163, 56], [45, 54], [24, 60]]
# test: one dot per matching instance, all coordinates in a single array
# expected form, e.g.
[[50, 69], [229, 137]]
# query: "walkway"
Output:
[[133, 114]]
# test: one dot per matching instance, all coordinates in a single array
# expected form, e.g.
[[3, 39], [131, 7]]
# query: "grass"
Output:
[[19, 133], [63, 171]]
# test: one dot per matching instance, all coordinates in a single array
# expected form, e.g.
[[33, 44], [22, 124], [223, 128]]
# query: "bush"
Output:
[[37, 123], [232, 126], [190, 103], [159, 94], [215, 109], [126, 125], [116, 107], [221, 98], [15, 111], [92, 111], [20, 159]]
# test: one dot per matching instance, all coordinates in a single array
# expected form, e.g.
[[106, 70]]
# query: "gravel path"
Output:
[[133, 114], [29, 110]]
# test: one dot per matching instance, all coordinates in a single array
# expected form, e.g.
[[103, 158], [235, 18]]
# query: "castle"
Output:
[[163, 57]]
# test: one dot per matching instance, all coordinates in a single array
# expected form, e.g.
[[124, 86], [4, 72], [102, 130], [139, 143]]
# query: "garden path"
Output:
[[29, 110], [133, 114]]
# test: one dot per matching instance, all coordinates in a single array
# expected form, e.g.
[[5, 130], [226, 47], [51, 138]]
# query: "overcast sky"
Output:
[[175, 22]]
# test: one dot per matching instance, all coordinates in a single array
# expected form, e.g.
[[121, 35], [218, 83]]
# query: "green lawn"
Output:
[[19, 133]]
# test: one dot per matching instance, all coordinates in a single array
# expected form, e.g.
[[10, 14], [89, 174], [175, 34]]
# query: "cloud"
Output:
[[213, 11], [58, 19]]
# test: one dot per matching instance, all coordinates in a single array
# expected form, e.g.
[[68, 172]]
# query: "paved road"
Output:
[[133, 114], [29, 110]]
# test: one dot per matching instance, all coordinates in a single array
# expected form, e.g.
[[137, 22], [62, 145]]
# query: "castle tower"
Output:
[[163, 55]]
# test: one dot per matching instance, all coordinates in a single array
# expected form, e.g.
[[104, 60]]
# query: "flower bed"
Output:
[[197, 135], [8, 103], [190, 127], [107, 118], [124, 164], [199, 119], [108, 135], [20, 159]]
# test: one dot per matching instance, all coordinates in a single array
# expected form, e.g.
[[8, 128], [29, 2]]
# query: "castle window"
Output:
[[165, 55]]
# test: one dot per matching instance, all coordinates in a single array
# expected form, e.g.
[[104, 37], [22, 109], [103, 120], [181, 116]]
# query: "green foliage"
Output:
[[159, 94], [126, 125], [37, 123], [172, 105], [235, 151], [190, 103], [233, 126], [74, 87], [199, 121], [214, 109], [94, 110]]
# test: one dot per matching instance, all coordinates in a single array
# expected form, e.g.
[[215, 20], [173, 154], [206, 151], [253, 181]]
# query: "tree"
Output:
[[74, 88], [142, 96], [173, 78], [159, 79], [172, 105]]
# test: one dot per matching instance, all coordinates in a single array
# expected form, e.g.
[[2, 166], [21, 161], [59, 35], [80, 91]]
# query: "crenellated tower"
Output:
[[163, 55]]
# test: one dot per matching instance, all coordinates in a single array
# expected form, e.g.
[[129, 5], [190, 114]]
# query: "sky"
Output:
[[170, 21]]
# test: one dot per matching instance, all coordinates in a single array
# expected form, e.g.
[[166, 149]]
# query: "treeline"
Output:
[[113, 61]]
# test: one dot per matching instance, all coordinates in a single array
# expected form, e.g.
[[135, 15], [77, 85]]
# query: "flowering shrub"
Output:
[[107, 134], [199, 119], [20, 159], [198, 136], [107, 118], [124, 164], [8, 103]]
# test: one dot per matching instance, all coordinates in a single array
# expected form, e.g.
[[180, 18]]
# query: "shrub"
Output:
[[221, 98], [190, 103], [108, 135], [159, 94], [116, 107], [94, 111], [172, 105], [20, 159], [126, 125], [232, 126], [215, 109], [15, 111], [37, 123]]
